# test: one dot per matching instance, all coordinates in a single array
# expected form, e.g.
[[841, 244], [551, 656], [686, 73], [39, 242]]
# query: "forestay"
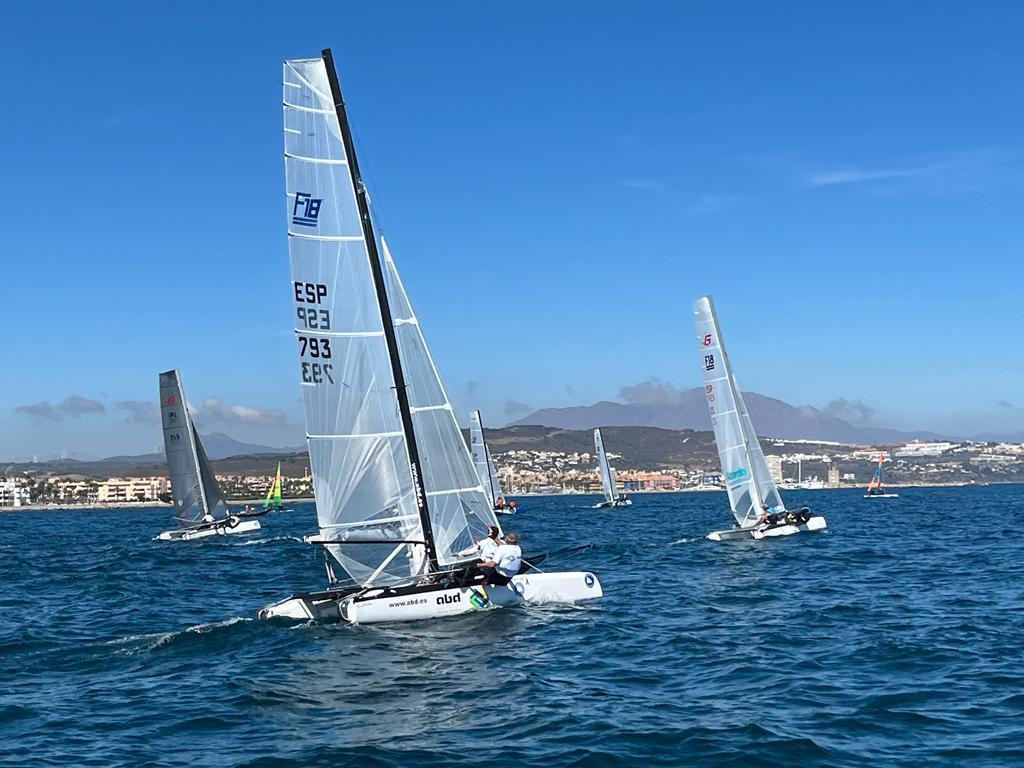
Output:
[[460, 512], [607, 479], [357, 448], [744, 468], [194, 488]]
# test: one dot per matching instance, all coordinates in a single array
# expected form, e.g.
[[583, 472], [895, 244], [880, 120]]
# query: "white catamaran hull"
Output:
[[611, 504], [881, 495], [756, 532], [222, 529], [383, 605]]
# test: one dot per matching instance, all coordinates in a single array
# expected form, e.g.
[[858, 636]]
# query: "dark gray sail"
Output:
[[194, 489]]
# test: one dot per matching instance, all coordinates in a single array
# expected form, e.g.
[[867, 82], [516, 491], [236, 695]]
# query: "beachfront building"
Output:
[[120, 489], [917, 448], [13, 494]]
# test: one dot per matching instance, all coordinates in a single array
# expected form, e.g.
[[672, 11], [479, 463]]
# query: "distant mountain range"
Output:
[[220, 446], [216, 444], [688, 409]]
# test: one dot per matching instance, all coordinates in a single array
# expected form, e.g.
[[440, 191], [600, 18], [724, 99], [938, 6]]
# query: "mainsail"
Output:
[[607, 479], [194, 488], [390, 514], [274, 492], [744, 468], [482, 460]]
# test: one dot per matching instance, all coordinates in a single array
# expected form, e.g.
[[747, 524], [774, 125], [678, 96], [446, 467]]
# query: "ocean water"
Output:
[[894, 639]]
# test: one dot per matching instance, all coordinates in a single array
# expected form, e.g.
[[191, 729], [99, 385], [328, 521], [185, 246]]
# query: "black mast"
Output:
[[385, 308]]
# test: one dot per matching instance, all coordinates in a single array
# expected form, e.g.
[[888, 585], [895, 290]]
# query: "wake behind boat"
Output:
[[875, 490], [399, 504], [611, 499], [753, 497], [200, 509]]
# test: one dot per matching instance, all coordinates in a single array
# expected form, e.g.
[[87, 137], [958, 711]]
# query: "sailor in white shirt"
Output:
[[505, 563], [485, 547]]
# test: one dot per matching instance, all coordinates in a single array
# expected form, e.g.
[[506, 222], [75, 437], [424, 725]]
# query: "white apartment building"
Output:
[[924, 449], [132, 489], [13, 495]]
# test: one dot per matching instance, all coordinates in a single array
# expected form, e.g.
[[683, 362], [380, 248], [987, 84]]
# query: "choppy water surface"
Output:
[[897, 638]]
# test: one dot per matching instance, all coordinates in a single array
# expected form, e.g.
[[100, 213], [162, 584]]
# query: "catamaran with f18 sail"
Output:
[[875, 490], [399, 504], [611, 499], [753, 497], [199, 506], [485, 470]]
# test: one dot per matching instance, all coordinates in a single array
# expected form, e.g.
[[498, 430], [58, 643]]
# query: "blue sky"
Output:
[[847, 182]]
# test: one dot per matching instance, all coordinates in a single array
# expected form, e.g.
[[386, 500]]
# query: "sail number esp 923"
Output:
[[314, 351]]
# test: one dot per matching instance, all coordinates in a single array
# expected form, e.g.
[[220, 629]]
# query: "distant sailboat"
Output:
[[611, 499], [485, 470], [399, 504], [744, 469], [874, 490], [273, 500], [200, 509]]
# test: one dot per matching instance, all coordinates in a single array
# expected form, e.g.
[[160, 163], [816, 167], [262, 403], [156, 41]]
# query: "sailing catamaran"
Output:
[[199, 506], [399, 505], [747, 479], [607, 478], [272, 503], [874, 490], [485, 470]]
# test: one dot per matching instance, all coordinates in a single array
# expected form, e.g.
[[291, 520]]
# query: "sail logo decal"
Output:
[[736, 474], [306, 210], [169, 400], [707, 339], [709, 389], [709, 362]]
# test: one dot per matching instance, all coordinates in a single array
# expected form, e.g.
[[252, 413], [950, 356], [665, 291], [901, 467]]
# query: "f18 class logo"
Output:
[[306, 210], [707, 339]]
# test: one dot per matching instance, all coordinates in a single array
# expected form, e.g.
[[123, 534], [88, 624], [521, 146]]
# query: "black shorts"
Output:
[[495, 578]]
